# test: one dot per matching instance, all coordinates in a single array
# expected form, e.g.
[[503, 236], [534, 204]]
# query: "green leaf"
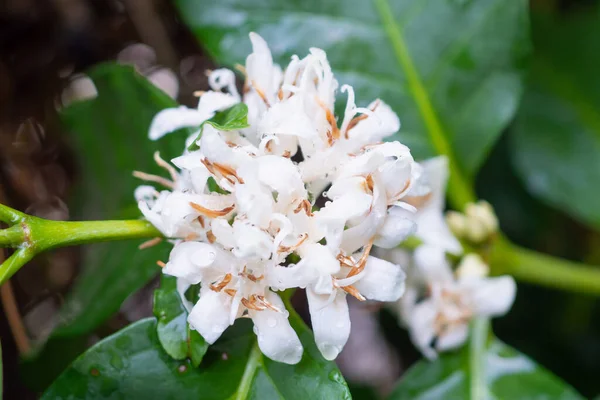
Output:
[[232, 119], [132, 365], [174, 334], [451, 69], [556, 141], [486, 369], [109, 135]]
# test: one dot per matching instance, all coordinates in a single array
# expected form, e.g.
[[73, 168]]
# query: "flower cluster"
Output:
[[440, 302], [241, 208]]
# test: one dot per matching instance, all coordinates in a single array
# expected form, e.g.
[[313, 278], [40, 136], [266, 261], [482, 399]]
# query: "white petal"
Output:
[[282, 176], [254, 201], [223, 78], [215, 148], [407, 303], [223, 232], [181, 262], [422, 330], [210, 315], [433, 230], [263, 74], [251, 241], [287, 118], [171, 119], [396, 171], [382, 123], [431, 224], [432, 264], [182, 287], [398, 225], [330, 322], [493, 296], [382, 281], [453, 338], [359, 235], [146, 193], [317, 260], [276, 338]]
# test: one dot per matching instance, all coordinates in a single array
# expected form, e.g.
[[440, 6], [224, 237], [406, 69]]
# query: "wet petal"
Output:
[[276, 338], [330, 322], [399, 224], [210, 315]]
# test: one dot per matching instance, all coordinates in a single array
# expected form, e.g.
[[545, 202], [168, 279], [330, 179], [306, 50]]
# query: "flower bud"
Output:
[[472, 266]]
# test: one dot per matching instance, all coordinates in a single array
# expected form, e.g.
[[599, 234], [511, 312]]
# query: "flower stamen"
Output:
[[150, 243], [154, 178], [211, 213], [221, 285]]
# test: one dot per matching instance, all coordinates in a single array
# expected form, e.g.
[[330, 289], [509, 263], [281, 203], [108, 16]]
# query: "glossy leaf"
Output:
[[109, 135], [231, 119], [132, 365], [174, 334], [508, 375], [451, 69], [556, 141]]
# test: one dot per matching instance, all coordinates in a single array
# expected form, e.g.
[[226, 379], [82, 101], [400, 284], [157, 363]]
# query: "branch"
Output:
[[545, 270], [15, 262], [31, 235], [10, 215]]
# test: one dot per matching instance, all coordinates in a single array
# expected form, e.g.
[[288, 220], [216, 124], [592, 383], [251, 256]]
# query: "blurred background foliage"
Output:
[[536, 158]]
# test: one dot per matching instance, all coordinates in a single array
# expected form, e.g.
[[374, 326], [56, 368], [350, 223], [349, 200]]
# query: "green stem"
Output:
[[15, 262], [477, 352], [542, 269], [254, 361], [12, 237], [460, 191], [47, 234], [32, 235], [11, 216]]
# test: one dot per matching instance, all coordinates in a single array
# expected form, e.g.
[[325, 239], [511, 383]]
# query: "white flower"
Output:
[[237, 242], [444, 316]]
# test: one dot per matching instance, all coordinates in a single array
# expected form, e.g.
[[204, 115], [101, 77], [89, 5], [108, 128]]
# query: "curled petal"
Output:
[[382, 123], [171, 119]]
